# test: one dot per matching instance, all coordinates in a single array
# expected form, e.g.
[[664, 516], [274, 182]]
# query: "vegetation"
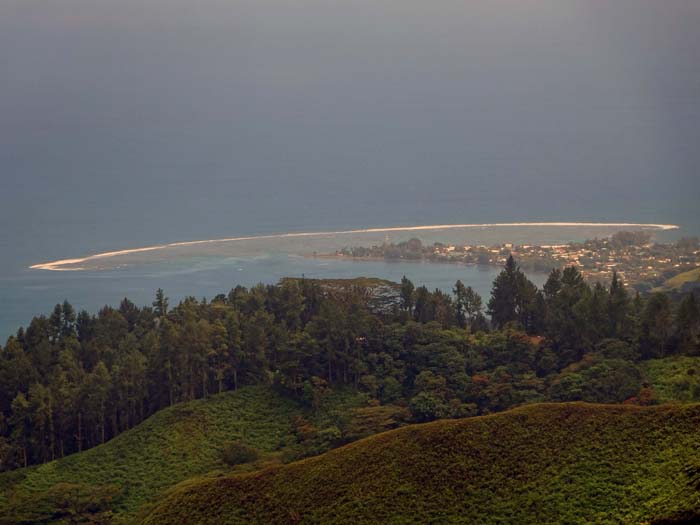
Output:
[[273, 374], [564, 463], [254, 424], [172, 445], [689, 279], [237, 453], [72, 381], [674, 379]]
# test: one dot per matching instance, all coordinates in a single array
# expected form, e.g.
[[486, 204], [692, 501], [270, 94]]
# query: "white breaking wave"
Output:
[[73, 264]]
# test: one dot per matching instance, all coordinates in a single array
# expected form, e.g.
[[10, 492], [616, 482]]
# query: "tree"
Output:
[[598, 310], [427, 406], [656, 326], [503, 304], [567, 319], [219, 362], [56, 321], [289, 303], [552, 286], [130, 312], [41, 420], [688, 321], [234, 357], [20, 422], [441, 309], [314, 391], [604, 381], [16, 372], [460, 293], [515, 298], [407, 294], [167, 370], [529, 304], [64, 394], [255, 347], [68, 320], [62, 321], [85, 326], [421, 309], [473, 307], [618, 309], [160, 305]]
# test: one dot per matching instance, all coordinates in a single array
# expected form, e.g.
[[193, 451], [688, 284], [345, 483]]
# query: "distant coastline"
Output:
[[78, 264]]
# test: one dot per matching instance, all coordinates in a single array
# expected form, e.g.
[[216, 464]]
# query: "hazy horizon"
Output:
[[128, 124], [135, 123]]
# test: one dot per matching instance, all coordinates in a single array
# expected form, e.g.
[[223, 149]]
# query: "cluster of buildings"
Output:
[[597, 259], [632, 255]]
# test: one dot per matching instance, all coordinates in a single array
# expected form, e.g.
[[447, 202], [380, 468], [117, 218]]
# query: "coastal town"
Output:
[[642, 263]]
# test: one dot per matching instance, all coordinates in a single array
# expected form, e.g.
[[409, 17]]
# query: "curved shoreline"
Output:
[[68, 264]]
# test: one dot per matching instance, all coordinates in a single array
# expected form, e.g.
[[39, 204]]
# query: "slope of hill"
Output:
[[682, 282], [547, 463], [674, 379], [174, 444]]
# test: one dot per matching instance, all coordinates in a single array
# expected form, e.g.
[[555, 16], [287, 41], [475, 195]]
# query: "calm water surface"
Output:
[[142, 122]]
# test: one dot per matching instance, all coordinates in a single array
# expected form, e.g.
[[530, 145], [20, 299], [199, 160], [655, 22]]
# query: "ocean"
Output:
[[207, 268], [140, 123]]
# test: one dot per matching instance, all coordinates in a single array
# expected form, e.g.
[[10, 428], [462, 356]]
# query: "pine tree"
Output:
[[513, 297], [503, 303], [618, 309], [421, 308], [407, 294], [656, 326], [688, 321], [20, 422], [41, 415], [160, 305], [460, 293], [473, 307]]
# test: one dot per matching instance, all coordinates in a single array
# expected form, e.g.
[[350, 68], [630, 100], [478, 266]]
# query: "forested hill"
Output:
[[71, 381]]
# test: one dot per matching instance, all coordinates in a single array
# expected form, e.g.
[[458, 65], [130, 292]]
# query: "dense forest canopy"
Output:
[[73, 380]]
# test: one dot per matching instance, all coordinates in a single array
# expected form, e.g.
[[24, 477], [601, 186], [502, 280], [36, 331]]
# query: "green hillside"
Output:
[[674, 379], [172, 445], [678, 281], [112, 481], [575, 452], [546, 463]]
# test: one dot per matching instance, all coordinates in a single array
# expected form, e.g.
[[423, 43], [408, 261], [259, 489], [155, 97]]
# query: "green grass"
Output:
[[174, 444], [546, 463], [674, 379], [549, 463], [677, 281]]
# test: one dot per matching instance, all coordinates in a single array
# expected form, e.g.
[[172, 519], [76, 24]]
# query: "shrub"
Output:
[[237, 452], [64, 503], [426, 406]]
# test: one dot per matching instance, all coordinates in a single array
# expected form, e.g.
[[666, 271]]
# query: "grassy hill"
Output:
[[172, 445], [546, 463], [674, 379], [677, 282]]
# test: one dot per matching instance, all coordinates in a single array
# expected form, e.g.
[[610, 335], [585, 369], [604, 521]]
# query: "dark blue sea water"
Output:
[[142, 122]]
